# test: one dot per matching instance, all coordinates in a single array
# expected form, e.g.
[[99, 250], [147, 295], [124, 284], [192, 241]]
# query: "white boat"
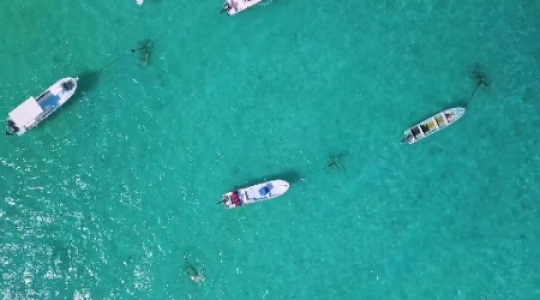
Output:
[[431, 125], [139, 2], [232, 7], [34, 110], [256, 193]]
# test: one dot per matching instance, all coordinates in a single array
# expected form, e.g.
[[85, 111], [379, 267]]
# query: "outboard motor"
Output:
[[11, 128], [225, 8], [409, 138]]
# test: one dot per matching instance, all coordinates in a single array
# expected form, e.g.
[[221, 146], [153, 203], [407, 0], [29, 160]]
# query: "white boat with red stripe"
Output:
[[256, 193]]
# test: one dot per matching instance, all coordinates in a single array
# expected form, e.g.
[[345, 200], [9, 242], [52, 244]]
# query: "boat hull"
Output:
[[232, 7], [34, 110], [256, 193], [433, 124]]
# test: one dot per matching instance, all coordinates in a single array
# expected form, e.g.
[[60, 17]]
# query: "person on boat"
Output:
[[12, 128], [190, 270], [236, 199]]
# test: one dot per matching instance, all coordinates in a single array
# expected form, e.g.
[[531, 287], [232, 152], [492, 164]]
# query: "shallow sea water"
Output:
[[103, 198]]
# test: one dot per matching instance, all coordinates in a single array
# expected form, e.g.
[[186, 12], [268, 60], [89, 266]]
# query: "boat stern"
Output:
[[23, 117], [11, 127], [409, 137], [231, 200], [226, 8]]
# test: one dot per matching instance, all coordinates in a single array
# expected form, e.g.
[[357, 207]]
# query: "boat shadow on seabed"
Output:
[[293, 176], [290, 176]]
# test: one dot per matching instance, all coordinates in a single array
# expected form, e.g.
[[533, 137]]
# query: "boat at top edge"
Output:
[[232, 7]]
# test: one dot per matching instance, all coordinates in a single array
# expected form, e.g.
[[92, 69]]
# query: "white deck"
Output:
[[56, 89], [236, 6], [275, 188], [26, 113], [252, 194]]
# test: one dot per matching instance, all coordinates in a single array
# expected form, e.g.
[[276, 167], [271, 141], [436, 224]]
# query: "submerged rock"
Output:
[[145, 53]]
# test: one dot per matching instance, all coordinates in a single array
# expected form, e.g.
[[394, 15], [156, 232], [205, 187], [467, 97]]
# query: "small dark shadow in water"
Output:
[[336, 161], [88, 81], [481, 80], [291, 176], [146, 52], [459, 103]]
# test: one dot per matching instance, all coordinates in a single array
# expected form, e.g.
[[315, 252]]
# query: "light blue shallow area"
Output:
[[102, 199]]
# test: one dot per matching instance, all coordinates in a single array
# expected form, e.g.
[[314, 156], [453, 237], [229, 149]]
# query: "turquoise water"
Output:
[[102, 199]]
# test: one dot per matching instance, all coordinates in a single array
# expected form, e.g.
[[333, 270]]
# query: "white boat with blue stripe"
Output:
[[34, 110], [256, 193]]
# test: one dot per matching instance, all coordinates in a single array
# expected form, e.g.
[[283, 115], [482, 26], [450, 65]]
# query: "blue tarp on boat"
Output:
[[48, 102], [265, 190]]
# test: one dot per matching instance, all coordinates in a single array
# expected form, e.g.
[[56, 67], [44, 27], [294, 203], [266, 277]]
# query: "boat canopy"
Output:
[[26, 112], [265, 189]]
